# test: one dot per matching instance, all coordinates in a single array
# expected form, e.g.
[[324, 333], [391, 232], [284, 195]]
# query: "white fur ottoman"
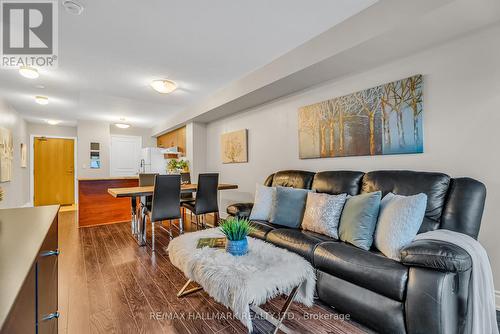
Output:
[[239, 282]]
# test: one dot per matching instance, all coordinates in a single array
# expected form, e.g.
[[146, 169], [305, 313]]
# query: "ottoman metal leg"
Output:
[[285, 308], [183, 292]]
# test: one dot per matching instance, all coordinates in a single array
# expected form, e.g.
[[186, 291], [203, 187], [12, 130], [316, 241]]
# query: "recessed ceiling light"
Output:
[[53, 122], [42, 100], [73, 7], [122, 125], [164, 86], [29, 72]]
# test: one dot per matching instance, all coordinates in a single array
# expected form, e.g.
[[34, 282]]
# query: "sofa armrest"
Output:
[[438, 255], [240, 210]]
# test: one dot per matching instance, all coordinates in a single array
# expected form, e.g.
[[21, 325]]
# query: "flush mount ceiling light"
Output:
[[122, 124], [29, 72], [72, 7], [43, 100], [53, 122], [164, 86]]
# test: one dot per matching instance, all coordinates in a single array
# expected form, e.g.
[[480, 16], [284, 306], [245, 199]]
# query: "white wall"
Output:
[[196, 134], [145, 133], [93, 132], [461, 120], [51, 130], [16, 192], [100, 132]]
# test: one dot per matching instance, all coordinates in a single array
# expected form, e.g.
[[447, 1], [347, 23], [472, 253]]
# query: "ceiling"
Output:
[[109, 54]]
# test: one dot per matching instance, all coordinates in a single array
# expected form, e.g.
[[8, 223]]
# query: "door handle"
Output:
[[50, 253], [50, 316]]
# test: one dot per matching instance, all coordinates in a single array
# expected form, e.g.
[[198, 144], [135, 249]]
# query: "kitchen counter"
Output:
[[97, 207], [22, 233], [109, 178]]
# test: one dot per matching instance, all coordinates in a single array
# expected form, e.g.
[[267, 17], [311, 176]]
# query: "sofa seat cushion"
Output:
[[261, 228], [297, 241], [370, 270]]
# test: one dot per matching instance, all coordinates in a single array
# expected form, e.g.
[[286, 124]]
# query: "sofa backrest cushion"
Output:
[[464, 206], [338, 182], [293, 178], [453, 204], [407, 183]]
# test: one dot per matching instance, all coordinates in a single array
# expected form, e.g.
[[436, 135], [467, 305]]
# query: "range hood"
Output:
[[174, 150]]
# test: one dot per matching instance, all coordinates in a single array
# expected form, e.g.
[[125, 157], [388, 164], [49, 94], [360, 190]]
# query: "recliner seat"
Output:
[[427, 291]]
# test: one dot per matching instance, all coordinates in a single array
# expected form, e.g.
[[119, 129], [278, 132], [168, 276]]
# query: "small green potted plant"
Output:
[[183, 165], [236, 231], [172, 166]]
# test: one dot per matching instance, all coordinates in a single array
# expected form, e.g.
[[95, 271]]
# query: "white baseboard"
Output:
[[497, 299]]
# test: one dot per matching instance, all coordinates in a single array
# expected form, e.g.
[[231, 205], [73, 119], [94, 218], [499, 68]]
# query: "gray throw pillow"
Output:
[[359, 219], [289, 206], [264, 203], [398, 223], [322, 213]]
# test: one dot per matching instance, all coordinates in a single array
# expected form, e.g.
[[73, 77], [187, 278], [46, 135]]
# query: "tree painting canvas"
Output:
[[234, 147], [386, 119]]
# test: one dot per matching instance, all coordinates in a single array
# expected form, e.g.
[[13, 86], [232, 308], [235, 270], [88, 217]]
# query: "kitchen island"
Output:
[[96, 207]]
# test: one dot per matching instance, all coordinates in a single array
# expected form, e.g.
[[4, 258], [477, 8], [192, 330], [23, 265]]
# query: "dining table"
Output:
[[137, 222]]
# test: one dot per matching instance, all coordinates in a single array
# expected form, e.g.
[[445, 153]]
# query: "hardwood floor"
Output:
[[107, 284]]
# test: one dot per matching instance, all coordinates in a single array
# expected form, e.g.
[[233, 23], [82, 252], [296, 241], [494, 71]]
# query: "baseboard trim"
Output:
[[497, 299]]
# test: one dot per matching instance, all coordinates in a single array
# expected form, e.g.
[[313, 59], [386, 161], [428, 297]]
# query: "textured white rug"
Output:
[[237, 282]]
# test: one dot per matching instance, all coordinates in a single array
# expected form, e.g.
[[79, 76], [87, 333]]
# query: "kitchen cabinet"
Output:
[[28, 275]]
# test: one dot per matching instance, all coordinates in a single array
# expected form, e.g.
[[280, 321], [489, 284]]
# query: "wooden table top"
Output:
[[148, 190]]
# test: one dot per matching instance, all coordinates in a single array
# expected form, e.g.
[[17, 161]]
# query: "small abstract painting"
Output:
[[6, 154], [234, 147], [386, 119]]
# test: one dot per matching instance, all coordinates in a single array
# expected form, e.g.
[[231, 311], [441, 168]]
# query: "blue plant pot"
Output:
[[238, 247]]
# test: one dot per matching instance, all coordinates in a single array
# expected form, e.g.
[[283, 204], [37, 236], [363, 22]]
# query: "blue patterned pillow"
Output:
[[398, 222]]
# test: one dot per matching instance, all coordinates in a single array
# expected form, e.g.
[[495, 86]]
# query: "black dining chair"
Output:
[[165, 204], [206, 199]]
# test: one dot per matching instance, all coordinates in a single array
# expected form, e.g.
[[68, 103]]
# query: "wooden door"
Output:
[[54, 171]]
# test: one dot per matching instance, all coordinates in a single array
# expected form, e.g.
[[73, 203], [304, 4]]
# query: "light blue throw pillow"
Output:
[[289, 206], [264, 203], [398, 223], [359, 219]]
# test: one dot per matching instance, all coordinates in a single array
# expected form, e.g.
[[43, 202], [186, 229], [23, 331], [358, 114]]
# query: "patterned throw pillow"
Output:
[[398, 222], [322, 213], [264, 203]]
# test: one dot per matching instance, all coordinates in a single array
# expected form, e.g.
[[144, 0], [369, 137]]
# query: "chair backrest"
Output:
[[166, 198], [147, 179], [206, 193], [185, 177]]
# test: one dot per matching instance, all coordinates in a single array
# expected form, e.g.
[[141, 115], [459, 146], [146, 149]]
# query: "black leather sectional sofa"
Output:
[[427, 292]]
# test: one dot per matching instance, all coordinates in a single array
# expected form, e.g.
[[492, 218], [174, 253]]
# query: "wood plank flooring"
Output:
[[107, 284]]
